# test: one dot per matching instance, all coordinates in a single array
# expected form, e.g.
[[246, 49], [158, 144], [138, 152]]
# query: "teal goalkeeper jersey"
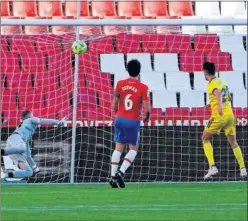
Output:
[[29, 126]]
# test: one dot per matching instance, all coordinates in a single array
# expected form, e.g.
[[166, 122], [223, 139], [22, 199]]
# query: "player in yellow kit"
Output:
[[222, 118]]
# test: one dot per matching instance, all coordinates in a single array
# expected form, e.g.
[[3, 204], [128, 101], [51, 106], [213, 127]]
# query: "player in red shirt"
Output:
[[130, 95]]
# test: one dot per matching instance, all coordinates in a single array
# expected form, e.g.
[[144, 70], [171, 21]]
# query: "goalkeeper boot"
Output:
[[211, 172], [113, 182], [243, 172], [120, 179]]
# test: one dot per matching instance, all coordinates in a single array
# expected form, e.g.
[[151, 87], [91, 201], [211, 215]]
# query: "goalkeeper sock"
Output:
[[238, 154], [129, 158], [115, 162], [208, 150]]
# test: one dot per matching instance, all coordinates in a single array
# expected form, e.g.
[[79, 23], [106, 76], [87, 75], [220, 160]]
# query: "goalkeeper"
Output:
[[18, 147]]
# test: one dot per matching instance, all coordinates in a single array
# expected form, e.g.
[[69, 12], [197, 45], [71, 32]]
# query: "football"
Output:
[[79, 47]]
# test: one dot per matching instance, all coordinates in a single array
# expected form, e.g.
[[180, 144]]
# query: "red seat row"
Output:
[[96, 8]]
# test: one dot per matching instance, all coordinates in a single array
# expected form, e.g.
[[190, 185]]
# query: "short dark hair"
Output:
[[133, 68], [25, 113], [209, 67]]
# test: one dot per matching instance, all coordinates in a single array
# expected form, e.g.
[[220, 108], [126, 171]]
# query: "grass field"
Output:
[[208, 201]]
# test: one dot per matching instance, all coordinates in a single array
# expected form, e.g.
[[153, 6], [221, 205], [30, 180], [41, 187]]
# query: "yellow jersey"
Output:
[[217, 83]]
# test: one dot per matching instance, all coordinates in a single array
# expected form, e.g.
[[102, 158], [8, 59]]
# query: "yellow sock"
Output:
[[208, 150], [239, 157]]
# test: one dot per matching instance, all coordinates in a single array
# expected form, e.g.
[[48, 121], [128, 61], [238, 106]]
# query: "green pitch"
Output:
[[208, 201]]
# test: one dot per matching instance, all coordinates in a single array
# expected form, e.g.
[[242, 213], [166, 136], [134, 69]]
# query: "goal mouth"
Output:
[[39, 72]]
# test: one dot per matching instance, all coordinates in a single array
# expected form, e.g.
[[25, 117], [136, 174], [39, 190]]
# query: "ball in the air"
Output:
[[79, 47]]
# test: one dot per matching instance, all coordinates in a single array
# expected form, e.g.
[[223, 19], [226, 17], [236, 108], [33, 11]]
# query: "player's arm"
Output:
[[45, 121], [146, 104], [218, 95], [116, 99]]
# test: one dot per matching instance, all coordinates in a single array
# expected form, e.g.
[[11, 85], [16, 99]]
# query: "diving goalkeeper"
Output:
[[18, 147]]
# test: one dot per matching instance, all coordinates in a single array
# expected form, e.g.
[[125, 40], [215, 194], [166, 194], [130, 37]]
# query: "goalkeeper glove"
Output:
[[62, 122]]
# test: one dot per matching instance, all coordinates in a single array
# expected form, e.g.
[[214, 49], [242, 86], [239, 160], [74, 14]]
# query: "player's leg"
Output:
[[15, 145], [230, 132], [211, 128]]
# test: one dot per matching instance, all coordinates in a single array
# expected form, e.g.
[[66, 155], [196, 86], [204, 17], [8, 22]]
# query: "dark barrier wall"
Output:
[[165, 154]]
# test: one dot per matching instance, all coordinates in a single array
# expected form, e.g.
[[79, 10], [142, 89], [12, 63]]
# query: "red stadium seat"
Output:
[[97, 114], [129, 9], [90, 30], [177, 112], [87, 99], [4, 6], [101, 82], [22, 44], [200, 113], [178, 43], [180, 8], [71, 8], [50, 8], [36, 30], [24, 8], [46, 82], [103, 9], [140, 30], [105, 99], [114, 30], [191, 61], [89, 63], [163, 29], [9, 62], [155, 9], [13, 116], [11, 30], [33, 100], [66, 79], [3, 44], [21, 81], [245, 113], [206, 42], [33, 62], [222, 60], [238, 112], [128, 43], [102, 46], [8, 99], [153, 43], [49, 44]]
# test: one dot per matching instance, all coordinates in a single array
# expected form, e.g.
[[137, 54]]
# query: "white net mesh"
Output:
[[37, 74]]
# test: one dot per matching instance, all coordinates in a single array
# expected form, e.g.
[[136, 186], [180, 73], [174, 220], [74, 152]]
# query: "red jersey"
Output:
[[131, 93]]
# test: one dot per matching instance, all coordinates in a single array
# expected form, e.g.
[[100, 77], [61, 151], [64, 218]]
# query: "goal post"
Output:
[[40, 72]]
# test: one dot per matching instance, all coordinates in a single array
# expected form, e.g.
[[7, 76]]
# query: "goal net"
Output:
[[38, 70]]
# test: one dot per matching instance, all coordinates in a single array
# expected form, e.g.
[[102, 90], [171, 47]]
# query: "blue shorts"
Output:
[[127, 131]]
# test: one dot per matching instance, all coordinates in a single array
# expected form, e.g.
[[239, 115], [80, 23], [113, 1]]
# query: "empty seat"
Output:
[[13, 117], [144, 59], [191, 61], [22, 44], [97, 114], [46, 82], [114, 30], [191, 29], [220, 29], [105, 99], [103, 45], [90, 30], [165, 62], [33, 62], [208, 42], [177, 81], [128, 43], [142, 30], [107, 61], [153, 43], [233, 9], [11, 30], [164, 99], [154, 81], [24, 8], [87, 98], [239, 61], [20, 81], [89, 63], [207, 9], [192, 99], [177, 112], [240, 99], [50, 9], [222, 60], [238, 112], [9, 62], [168, 29], [199, 81], [102, 9], [180, 8], [155, 8], [234, 80], [3, 44], [71, 8], [236, 44], [4, 8], [8, 99], [32, 100], [129, 9], [101, 82], [200, 112], [178, 43], [59, 30]]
